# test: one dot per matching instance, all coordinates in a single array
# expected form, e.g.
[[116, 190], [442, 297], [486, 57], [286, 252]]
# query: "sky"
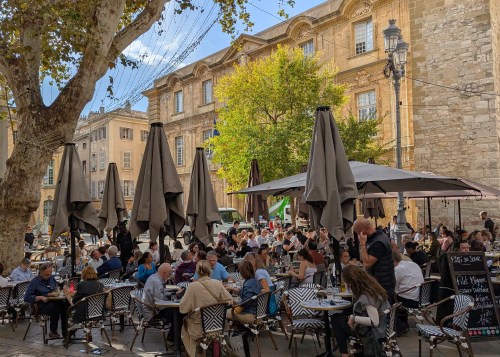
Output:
[[175, 42]]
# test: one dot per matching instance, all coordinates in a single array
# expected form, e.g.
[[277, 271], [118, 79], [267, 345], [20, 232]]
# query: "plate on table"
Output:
[[171, 287]]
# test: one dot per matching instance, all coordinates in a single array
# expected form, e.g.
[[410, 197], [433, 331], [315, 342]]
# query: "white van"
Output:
[[228, 216], [287, 219]]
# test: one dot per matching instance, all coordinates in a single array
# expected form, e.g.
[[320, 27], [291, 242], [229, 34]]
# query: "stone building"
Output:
[[101, 137], [348, 32], [455, 47]]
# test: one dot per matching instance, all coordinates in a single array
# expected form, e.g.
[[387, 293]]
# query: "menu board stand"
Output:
[[470, 276]]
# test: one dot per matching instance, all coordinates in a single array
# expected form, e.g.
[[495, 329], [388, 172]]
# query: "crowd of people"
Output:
[[370, 264]]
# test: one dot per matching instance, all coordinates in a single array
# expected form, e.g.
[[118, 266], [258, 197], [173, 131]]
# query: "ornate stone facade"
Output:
[[328, 29]]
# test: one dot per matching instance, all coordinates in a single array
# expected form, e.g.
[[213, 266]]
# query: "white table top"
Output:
[[119, 285], [164, 304], [325, 305]]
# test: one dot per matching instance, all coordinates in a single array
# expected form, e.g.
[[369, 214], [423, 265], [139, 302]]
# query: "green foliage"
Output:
[[359, 139], [269, 114]]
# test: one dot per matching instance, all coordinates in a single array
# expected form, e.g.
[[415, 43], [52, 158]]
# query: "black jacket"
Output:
[[383, 269]]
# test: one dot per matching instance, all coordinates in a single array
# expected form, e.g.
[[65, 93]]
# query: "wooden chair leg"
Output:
[[282, 326], [27, 329], [133, 340], [143, 333], [291, 339], [317, 337], [272, 339], [303, 335], [105, 334], [419, 346]]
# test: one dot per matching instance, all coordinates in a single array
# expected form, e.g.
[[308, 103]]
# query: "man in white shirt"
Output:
[[408, 275], [95, 259]]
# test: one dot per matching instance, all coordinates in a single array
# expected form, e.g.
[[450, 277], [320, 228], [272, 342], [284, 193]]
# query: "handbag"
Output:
[[233, 346], [369, 336]]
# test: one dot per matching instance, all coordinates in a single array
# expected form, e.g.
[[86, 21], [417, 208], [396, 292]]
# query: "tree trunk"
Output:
[[20, 187], [293, 210]]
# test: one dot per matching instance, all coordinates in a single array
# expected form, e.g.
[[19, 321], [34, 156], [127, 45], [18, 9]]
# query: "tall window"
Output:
[[128, 188], [308, 48], [84, 146], [47, 208], [363, 36], [127, 163], [103, 132], [93, 162], [102, 160], [126, 133], [48, 179], [366, 105], [84, 167], [179, 102], [207, 134], [93, 190], [100, 188], [179, 147], [207, 91], [144, 135]]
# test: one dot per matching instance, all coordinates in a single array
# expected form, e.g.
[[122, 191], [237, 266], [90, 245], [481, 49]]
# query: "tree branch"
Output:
[[142, 23]]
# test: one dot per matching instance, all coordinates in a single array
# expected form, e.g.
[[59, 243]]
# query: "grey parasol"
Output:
[[255, 205], [330, 188], [72, 205], [202, 211], [113, 208], [158, 196]]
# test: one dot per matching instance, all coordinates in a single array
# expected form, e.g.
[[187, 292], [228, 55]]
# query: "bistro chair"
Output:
[[389, 344], [94, 310], [146, 324], [17, 302], [277, 295], [236, 276], [301, 319], [120, 306], [232, 268], [39, 319], [436, 332], [260, 318], [107, 281], [213, 320], [4, 305], [424, 298], [114, 274]]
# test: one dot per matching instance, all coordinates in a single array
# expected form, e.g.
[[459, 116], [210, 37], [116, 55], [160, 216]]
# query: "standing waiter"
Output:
[[125, 244]]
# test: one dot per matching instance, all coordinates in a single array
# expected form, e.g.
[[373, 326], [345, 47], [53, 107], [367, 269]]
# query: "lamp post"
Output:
[[397, 50]]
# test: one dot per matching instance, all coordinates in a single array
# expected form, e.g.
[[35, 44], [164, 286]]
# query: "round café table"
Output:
[[174, 305], [326, 306]]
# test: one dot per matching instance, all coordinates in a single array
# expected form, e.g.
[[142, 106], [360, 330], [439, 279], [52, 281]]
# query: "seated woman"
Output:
[[146, 267], [186, 268], [370, 300], [261, 274], [307, 267], [178, 249], [89, 285], [251, 288], [205, 291], [40, 290]]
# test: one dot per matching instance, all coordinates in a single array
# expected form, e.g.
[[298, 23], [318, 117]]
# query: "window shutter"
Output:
[[131, 134]]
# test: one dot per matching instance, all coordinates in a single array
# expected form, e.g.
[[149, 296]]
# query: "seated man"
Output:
[[186, 268], [408, 275], [22, 272], [417, 256], [39, 290], [95, 259], [113, 263], [154, 290], [218, 270]]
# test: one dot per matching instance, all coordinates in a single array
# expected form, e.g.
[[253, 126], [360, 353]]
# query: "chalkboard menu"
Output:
[[470, 276]]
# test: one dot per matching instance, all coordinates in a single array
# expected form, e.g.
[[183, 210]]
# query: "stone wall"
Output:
[[456, 130]]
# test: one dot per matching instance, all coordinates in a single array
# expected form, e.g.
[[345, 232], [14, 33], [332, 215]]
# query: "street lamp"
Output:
[[397, 50]]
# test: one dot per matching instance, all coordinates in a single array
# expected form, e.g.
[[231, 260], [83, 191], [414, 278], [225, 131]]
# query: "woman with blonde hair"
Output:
[[370, 301], [89, 285], [205, 291]]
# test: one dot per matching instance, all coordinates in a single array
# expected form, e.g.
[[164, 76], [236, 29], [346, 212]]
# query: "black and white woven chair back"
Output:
[[20, 290], [115, 274], [262, 304], [286, 281], [213, 318], [184, 284], [313, 286], [297, 296], [235, 275], [107, 281], [232, 268], [424, 298], [4, 297], [428, 267], [121, 297], [96, 305], [391, 317], [460, 303]]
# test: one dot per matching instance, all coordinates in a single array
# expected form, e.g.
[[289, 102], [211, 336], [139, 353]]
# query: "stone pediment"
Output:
[[242, 46]]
